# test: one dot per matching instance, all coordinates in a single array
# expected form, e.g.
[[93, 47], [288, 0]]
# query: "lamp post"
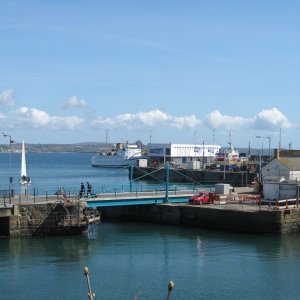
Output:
[[269, 138], [11, 141], [261, 154]]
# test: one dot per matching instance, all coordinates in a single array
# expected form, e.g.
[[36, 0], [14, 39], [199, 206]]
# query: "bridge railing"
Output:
[[72, 193], [149, 187]]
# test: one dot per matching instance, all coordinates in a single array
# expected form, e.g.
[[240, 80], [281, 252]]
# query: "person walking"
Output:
[[82, 190], [89, 189]]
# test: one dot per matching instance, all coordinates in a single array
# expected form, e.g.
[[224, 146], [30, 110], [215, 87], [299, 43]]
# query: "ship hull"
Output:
[[105, 162], [208, 177]]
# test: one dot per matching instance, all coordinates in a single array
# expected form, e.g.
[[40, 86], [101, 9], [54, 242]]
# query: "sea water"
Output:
[[49, 171], [137, 261]]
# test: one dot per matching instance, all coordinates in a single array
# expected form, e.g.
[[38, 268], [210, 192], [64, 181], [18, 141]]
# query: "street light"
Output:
[[11, 141], [269, 138]]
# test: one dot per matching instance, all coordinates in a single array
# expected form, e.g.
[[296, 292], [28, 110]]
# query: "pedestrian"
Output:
[[82, 190], [89, 188]]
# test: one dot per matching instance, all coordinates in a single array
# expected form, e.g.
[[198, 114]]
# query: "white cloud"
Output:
[[216, 120], [74, 102], [7, 98], [154, 120], [186, 121], [152, 117], [34, 118], [271, 119], [146, 120]]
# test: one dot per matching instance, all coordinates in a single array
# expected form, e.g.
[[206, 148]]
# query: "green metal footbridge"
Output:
[[136, 193]]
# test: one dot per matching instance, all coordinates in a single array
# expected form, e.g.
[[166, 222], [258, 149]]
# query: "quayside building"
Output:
[[281, 176], [181, 154]]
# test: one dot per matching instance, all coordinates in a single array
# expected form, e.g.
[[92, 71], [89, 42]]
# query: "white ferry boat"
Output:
[[120, 156]]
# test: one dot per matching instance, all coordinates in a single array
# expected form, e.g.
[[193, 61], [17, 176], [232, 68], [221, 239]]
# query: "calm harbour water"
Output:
[[130, 259]]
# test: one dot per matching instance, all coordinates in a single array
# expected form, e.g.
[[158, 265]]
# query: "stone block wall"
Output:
[[45, 219], [290, 220], [259, 221]]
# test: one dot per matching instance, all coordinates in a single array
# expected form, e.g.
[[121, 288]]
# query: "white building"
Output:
[[287, 167], [281, 178], [181, 153]]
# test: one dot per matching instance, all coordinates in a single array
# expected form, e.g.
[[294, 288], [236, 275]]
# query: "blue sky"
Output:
[[169, 71]]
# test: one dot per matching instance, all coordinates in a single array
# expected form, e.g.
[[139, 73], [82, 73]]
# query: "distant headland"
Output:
[[78, 147]]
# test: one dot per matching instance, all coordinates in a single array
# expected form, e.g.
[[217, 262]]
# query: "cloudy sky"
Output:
[[165, 71]]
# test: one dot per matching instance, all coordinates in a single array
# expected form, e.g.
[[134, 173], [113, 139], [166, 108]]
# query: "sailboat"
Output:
[[24, 178]]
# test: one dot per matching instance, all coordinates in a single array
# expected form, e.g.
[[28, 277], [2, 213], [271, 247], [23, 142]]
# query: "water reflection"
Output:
[[92, 232], [263, 246], [62, 249], [146, 256]]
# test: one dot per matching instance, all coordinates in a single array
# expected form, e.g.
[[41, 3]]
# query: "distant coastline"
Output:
[[87, 147], [79, 147]]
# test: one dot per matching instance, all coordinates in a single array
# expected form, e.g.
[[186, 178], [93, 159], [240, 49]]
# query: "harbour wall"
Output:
[[41, 219], [258, 221], [59, 219], [241, 178]]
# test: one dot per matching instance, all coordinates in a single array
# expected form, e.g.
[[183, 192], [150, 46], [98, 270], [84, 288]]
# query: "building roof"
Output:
[[292, 163]]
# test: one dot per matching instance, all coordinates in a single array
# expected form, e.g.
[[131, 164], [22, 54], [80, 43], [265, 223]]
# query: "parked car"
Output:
[[200, 198]]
